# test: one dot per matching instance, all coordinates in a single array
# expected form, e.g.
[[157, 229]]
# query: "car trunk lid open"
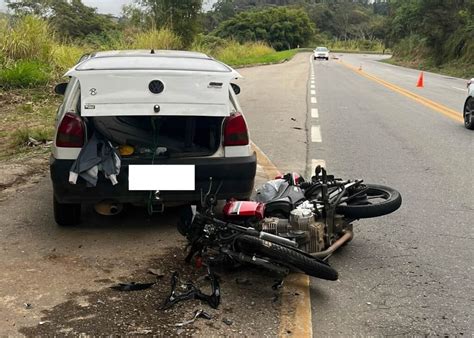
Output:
[[154, 93]]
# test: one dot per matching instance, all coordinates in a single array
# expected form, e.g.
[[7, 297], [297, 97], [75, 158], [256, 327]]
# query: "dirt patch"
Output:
[[110, 312], [25, 114], [21, 173]]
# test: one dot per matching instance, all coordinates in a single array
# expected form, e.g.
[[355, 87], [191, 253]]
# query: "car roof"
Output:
[[151, 60]]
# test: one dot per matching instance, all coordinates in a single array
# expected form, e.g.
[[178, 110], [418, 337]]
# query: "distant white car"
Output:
[[468, 112], [321, 53]]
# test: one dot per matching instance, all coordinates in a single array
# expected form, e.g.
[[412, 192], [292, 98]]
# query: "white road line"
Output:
[[315, 113], [313, 86], [315, 163], [316, 134], [313, 100], [461, 89], [313, 92]]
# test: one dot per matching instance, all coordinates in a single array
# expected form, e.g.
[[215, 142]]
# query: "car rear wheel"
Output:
[[469, 113], [66, 214]]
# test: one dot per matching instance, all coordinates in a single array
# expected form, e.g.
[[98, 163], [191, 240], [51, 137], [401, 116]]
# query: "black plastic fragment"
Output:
[[132, 286]]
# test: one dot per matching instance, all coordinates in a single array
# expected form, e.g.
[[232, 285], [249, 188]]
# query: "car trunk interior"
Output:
[[169, 136]]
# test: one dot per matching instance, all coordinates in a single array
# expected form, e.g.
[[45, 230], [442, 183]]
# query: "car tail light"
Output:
[[70, 132], [235, 131]]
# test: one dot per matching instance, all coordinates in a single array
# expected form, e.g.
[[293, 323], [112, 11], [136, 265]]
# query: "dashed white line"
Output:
[[313, 100], [315, 113], [316, 134], [313, 92], [461, 89], [313, 86]]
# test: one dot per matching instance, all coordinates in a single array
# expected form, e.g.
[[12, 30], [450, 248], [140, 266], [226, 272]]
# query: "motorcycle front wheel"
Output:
[[377, 201], [287, 256]]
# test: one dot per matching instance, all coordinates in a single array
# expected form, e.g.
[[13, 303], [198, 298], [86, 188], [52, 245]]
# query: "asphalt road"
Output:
[[409, 272]]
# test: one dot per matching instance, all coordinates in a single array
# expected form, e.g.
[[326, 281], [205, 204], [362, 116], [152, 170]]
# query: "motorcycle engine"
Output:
[[301, 227]]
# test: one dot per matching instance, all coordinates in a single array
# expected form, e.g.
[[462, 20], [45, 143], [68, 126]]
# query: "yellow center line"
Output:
[[295, 317], [418, 98]]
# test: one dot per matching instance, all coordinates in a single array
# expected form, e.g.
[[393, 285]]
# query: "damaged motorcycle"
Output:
[[291, 225]]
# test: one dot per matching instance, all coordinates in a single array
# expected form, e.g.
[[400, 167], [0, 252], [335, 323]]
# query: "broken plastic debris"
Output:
[[197, 314], [132, 286], [227, 321], [156, 272], [278, 285], [193, 292]]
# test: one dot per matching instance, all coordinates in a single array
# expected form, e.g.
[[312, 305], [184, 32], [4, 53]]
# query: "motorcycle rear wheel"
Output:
[[287, 256], [378, 201]]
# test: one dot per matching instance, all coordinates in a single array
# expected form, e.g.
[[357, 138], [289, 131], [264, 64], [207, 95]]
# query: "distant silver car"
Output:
[[468, 112], [321, 53]]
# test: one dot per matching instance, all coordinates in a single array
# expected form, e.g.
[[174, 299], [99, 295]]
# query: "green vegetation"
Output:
[[435, 35], [23, 74], [280, 27]]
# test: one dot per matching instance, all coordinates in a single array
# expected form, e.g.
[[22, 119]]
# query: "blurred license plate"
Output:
[[161, 177]]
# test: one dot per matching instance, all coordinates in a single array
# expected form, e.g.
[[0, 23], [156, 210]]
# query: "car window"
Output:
[[72, 96], [234, 107]]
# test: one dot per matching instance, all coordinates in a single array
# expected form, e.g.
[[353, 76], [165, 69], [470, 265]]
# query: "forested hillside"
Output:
[[433, 34]]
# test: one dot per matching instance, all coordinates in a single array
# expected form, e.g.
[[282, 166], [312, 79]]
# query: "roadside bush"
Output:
[[28, 38], [23, 74], [156, 39], [355, 45], [208, 44], [64, 57], [236, 54]]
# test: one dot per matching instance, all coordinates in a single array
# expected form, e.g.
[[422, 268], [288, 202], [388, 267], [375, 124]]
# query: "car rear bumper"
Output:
[[237, 175]]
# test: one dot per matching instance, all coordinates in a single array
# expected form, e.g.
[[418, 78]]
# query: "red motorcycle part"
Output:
[[238, 209]]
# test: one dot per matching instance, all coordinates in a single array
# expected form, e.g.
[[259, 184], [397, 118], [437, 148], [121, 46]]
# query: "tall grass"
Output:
[[31, 55], [28, 38], [157, 39], [64, 57], [235, 53]]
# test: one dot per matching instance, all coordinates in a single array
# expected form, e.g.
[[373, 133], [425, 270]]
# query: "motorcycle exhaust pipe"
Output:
[[336, 245], [108, 208], [241, 257], [277, 239]]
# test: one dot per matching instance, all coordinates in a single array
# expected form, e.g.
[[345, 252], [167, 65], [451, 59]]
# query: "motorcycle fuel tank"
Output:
[[244, 209]]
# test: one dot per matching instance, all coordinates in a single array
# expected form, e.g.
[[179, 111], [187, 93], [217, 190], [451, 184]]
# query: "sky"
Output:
[[110, 6]]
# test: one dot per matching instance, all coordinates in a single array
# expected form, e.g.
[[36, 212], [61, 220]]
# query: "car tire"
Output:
[[468, 113], [66, 214], [327, 59]]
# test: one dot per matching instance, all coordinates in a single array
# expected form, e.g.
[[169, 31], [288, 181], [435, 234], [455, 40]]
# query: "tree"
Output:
[[70, 19], [281, 27], [181, 16]]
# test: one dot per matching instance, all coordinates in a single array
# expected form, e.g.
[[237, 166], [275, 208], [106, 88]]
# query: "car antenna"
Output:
[[152, 51]]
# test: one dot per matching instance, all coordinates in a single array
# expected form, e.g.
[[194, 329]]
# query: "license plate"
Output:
[[161, 177]]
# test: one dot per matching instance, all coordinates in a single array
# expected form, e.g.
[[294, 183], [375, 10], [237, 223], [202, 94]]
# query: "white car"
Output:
[[468, 111], [321, 53], [162, 109]]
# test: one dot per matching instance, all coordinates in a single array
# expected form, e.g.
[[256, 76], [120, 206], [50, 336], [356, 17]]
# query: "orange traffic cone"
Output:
[[420, 83]]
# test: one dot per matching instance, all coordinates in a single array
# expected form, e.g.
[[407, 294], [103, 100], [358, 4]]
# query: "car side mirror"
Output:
[[236, 88], [60, 89]]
